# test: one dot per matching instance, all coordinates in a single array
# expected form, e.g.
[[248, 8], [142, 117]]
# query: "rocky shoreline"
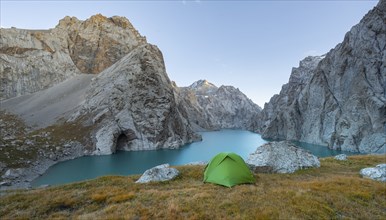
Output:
[[21, 178]]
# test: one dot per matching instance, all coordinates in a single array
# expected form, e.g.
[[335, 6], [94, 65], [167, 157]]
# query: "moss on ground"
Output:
[[333, 191]]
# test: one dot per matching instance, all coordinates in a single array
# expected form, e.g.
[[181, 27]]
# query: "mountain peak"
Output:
[[202, 83], [119, 21], [98, 18], [67, 21]]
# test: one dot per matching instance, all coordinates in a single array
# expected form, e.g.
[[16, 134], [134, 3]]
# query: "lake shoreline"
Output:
[[31, 174]]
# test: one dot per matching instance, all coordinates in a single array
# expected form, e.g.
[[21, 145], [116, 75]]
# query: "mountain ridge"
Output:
[[215, 107], [89, 87], [342, 104]]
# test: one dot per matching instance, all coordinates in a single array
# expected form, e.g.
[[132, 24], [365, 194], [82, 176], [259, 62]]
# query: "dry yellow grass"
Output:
[[334, 191]]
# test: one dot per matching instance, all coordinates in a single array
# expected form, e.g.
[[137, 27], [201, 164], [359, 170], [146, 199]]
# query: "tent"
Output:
[[228, 169]]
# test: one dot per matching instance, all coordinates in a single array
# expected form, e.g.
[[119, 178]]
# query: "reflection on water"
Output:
[[320, 151], [136, 162]]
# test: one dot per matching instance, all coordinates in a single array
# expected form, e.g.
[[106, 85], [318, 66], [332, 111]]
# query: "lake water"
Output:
[[136, 162]]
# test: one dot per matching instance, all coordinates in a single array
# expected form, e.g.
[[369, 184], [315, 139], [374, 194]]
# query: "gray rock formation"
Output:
[[341, 157], [197, 163], [99, 42], [32, 60], [129, 105], [281, 157], [280, 110], [132, 106], [13, 173], [376, 173], [340, 100], [210, 107], [159, 173]]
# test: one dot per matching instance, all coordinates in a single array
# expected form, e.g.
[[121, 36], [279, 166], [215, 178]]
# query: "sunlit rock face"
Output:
[[100, 73], [338, 100], [32, 60]]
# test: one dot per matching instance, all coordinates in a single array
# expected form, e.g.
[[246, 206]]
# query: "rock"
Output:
[[376, 173], [2, 166], [341, 157], [32, 60], [279, 110], [211, 108], [53, 157], [281, 157], [5, 183], [197, 163], [337, 100], [92, 45], [142, 110], [131, 103], [159, 173], [368, 142], [43, 186], [13, 173]]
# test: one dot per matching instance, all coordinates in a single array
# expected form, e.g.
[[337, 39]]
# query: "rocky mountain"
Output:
[[132, 106], [83, 87], [210, 107], [32, 60], [129, 105], [277, 107], [338, 100], [95, 87]]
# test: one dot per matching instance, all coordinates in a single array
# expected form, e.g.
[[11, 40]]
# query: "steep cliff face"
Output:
[[211, 107], [32, 60], [128, 104], [132, 106], [342, 104], [282, 110], [98, 42], [131, 103]]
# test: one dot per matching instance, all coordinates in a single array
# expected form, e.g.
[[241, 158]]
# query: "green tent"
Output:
[[228, 169]]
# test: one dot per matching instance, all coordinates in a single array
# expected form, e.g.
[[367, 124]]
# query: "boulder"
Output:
[[375, 173], [281, 157], [341, 157], [5, 183], [157, 174], [13, 173], [197, 163]]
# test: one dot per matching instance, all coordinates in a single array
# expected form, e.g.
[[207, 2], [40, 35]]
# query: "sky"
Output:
[[251, 45]]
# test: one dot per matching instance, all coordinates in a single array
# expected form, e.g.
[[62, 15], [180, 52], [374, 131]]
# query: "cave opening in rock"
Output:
[[122, 142], [124, 139]]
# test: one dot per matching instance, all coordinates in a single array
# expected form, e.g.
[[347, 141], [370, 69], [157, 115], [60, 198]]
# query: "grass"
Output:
[[333, 191], [28, 145]]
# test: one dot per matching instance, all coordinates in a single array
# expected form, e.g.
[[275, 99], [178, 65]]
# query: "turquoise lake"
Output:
[[136, 162]]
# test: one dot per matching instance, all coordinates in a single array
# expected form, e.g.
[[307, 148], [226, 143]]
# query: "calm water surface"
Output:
[[136, 162]]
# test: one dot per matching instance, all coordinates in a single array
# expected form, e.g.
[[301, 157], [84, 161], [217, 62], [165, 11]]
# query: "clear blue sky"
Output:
[[251, 45]]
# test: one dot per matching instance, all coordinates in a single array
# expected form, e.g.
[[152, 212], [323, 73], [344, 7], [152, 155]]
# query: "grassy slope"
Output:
[[334, 191], [15, 152]]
